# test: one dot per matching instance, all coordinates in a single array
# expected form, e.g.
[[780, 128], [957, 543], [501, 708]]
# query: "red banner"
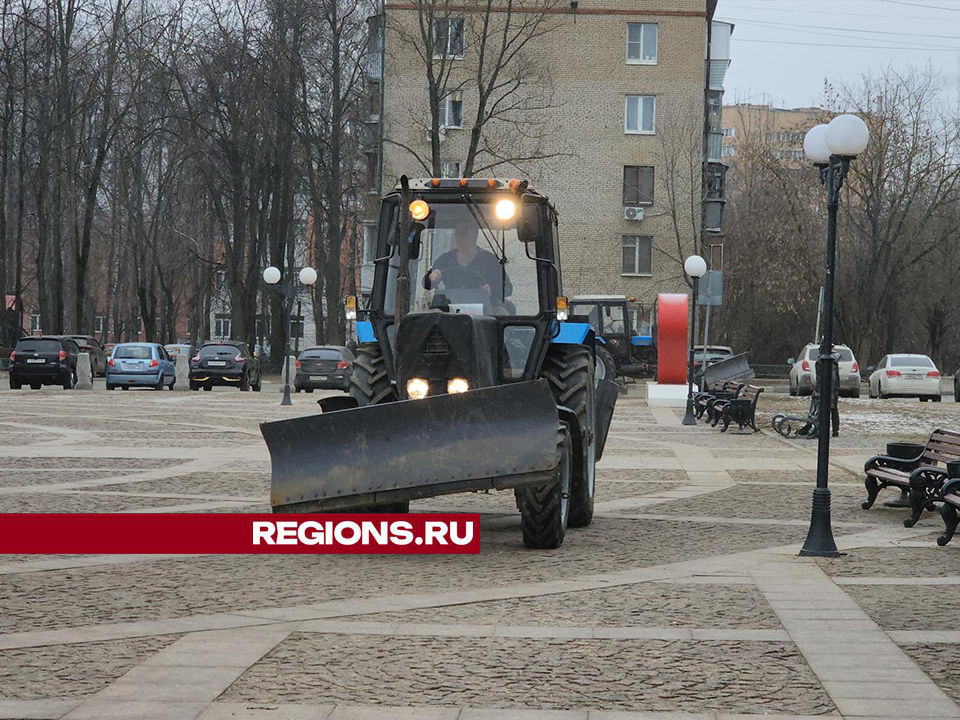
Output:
[[216, 533]]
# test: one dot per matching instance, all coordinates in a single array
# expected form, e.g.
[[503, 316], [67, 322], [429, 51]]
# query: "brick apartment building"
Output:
[[783, 129], [630, 91]]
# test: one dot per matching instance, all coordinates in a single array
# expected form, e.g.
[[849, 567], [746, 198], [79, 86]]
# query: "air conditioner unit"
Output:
[[633, 213]]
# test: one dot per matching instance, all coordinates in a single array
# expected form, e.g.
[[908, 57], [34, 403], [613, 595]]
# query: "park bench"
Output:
[[705, 401], [918, 476], [949, 495], [742, 409]]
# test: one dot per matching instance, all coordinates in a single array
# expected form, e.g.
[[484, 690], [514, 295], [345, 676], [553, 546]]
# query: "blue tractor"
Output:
[[624, 329], [468, 375]]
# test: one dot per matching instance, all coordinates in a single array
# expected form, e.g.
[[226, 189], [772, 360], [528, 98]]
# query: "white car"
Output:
[[906, 376], [803, 374]]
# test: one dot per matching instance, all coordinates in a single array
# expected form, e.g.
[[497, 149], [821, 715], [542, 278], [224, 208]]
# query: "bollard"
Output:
[[183, 373], [84, 372], [292, 364]]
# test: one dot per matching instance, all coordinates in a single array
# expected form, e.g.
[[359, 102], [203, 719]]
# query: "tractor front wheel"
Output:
[[545, 509], [369, 381], [570, 371]]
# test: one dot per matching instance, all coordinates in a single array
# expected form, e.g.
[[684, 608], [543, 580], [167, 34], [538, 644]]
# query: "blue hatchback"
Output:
[[140, 364]]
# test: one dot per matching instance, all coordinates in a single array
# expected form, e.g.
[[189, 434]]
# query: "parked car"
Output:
[[803, 374], [140, 365], [904, 375], [44, 360], [98, 356], [956, 385], [175, 350], [225, 363], [326, 367]]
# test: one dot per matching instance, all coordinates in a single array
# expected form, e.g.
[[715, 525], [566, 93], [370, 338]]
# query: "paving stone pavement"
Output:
[[684, 600]]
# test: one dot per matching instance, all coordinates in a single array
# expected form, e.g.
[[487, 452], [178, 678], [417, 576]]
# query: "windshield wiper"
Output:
[[484, 227]]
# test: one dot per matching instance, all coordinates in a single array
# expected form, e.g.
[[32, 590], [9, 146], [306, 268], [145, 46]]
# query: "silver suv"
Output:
[[803, 374]]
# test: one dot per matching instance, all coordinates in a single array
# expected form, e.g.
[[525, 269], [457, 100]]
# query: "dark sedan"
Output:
[[324, 368], [224, 363], [98, 357], [46, 360]]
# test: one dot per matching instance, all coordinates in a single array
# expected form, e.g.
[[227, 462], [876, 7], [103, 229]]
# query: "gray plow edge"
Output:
[[493, 438], [733, 368]]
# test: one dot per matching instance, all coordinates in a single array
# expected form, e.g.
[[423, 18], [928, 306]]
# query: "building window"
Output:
[[99, 324], [35, 323], [640, 114], [637, 255], [642, 43], [637, 185], [448, 38], [369, 242], [451, 111], [730, 132], [728, 151], [221, 327], [449, 169]]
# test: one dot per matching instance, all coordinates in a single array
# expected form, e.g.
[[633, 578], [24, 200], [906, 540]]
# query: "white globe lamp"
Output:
[[847, 135], [695, 266], [815, 145], [271, 276], [308, 276]]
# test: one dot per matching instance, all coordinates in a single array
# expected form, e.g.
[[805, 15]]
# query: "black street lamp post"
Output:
[[696, 267], [290, 291], [831, 148]]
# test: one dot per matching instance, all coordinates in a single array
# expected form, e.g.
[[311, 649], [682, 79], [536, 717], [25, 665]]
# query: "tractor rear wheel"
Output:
[[606, 367], [571, 373], [370, 385], [545, 509]]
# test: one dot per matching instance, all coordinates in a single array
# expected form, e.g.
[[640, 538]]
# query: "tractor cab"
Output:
[[622, 325], [483, 280]]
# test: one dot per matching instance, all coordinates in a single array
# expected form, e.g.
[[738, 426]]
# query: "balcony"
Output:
[[718, 70], [366, 278], [714, 146], [714, 215], [375, 66]]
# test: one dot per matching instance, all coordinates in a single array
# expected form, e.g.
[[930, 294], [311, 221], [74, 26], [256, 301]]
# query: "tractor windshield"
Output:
[[469, 262]]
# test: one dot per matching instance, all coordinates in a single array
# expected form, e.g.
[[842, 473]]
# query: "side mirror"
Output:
[[528, 224], [791, 361], [415, 230], [870, 368]]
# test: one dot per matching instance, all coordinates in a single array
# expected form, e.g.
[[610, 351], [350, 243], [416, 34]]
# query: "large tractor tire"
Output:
[[370, 385], [571, 373], [545, 509], [369, 381], [606, 367]]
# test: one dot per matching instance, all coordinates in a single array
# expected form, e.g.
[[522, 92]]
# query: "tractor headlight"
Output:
[[417, 388], [506, 209], [457, 385]]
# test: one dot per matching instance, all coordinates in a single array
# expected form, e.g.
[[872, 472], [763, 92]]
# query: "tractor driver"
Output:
[[469, 267]]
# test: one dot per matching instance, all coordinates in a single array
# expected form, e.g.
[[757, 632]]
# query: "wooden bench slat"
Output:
[[955, 447], [889, 475], [940, 457]]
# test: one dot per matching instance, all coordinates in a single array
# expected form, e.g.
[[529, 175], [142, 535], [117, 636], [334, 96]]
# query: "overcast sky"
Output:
[[784, 49]]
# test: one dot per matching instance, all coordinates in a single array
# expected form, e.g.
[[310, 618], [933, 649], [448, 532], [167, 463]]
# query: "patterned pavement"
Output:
[[684, 600]]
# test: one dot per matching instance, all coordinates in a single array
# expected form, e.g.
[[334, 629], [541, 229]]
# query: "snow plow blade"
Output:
[[492, 438], [732, 369]]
